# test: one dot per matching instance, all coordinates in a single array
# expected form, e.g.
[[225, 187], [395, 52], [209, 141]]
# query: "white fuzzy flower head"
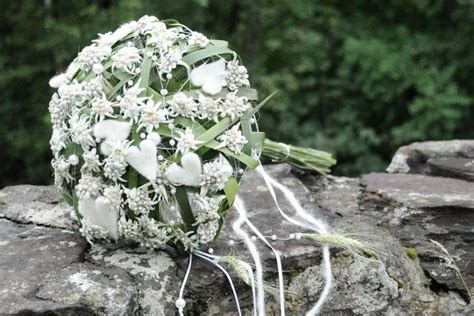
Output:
[[186, 141], [58, 140], [129, 229], [205, 208], [72, 94], [92, 55], [81, 131], [160, 36], [115, 165], [127, 59], [182, 105], [131, 102], [61, 170], [156, 233], [58, 110], [139, 201], [101, 108], [93, 232], [236, 76], [233, 139], [113, 196], [188, 240], [153, 114], [91, 161], [169, 60], [234, 106], [209, 108], [89, 186], [207, 231], [216, 173], [92, 88], [198, 39]]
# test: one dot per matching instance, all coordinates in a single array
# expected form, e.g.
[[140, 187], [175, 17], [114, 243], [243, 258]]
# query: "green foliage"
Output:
[[356, 78], [411, 253]]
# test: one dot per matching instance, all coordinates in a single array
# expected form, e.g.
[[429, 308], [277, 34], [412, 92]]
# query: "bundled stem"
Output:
[[301, 157]]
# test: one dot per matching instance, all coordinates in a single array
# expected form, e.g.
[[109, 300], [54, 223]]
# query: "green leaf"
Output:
[[185, 207], [205, 53]]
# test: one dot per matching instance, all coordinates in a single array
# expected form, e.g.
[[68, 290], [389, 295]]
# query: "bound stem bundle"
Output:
[[301, 157]]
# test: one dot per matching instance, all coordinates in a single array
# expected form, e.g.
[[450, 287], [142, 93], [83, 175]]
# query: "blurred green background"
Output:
[[355, 78]]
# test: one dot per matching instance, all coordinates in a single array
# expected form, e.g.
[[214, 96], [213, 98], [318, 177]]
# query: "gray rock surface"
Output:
[[47, 268]]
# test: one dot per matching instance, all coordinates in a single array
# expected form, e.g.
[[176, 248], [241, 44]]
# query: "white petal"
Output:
[[205, 72]]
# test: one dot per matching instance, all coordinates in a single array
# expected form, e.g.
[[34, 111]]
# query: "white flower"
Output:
[[198, 39], [92, 88], [113, 196], [160, 36], [72, 94], [139, 201], [91, 161], [129, 229], [115, 165], [233, 139], [58, 110], [147, 23], [156, 233], [169, 60], [182, 105], [88, 186], [209, 108], [207, 231], [101, 108], [108, 39], [61, 171], [131, 102], [187, 239], [234, 106], [186, 141], [127, 59], [236, 76], [81, 131], [152, 115], [93, 232], [58, 140], [92, 55], [205, 208], [216, 173]]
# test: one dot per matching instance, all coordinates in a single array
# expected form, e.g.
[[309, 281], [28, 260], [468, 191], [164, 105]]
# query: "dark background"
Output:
[[355, 78]]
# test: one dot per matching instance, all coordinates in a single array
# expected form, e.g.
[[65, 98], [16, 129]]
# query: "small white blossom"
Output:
[[81, 131], [152, 115], [216, 173], [236, 76], [72, 94], [182, 105], [233, 139], [92, 88], [129, 229], [205, 208], [127, 59], [186, 141], [113, 196], [234, 106], [139, 201], [131, 102], [58, 141], [169, 60], [101, 108], [61, 171], [58, 110], [88, 186], [91, 161], [187, 239], [93, 232], [155, 233], [92, 55], [207, 231], [115, 165], [161, 36], [209, 108], [198, 39]]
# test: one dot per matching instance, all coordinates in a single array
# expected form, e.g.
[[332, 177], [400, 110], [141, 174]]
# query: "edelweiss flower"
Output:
[[129, 229], [58, 140], [115, 165], [92, 88], [205, 208], [58, 110], [147, 23], [101, 108], [72, 94], [139, 201], [152, 115], [61, 170], [234, 106], [169, 60], [127, 59], [182, 105], [187, 239], [113, 196], [160, 36], [91, 161], [92, 55], [88, 186], [81, 131], [209, 108], [235, 75], [131, 102], [207, 231], [186, 141], [93, 232], [198, 39], [233, 139], [215, 174]]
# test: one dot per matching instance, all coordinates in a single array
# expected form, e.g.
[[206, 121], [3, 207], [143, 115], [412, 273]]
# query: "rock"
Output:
[[413, 158], [389, 213], [460, 168]]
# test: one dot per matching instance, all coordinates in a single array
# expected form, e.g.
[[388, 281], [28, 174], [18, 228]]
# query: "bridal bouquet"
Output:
[[153, 127]]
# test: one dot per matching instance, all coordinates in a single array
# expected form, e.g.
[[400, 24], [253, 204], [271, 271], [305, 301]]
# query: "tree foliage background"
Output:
[[355, 78]]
